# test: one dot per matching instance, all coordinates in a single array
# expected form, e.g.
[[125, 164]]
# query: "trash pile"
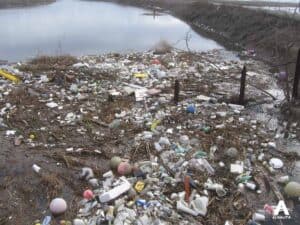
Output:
[[183, 155]]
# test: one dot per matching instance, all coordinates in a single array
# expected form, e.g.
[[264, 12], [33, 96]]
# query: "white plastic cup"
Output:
[[258, 217], [283, 179], [36, 168], [251, 186]]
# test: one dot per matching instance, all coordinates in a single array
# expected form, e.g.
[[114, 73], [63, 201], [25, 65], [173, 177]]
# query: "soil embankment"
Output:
[[22, 3], [260, 3]]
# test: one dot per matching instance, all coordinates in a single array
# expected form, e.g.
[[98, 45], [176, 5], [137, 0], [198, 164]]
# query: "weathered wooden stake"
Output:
[[110, 98], [176, 91], [242, 87], [297, 77]]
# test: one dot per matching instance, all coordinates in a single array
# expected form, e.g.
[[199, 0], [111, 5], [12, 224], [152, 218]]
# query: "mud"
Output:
[[22, 3], [259, 3]]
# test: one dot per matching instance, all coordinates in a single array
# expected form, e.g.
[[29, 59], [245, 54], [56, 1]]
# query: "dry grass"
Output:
[[162, 47], [52, 184], [46, 63]]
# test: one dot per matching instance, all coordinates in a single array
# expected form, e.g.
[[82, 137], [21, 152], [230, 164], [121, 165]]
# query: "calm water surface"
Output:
[[82, 27]]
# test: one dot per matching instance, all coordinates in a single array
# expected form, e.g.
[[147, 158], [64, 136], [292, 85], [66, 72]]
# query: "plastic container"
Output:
[[115, 192]]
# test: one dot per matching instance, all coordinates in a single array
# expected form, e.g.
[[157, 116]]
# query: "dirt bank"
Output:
[[22, 3], [259, 3]]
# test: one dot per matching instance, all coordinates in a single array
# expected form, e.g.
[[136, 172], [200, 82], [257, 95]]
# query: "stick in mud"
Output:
[[297, 77], [242, 87], [176, 92]]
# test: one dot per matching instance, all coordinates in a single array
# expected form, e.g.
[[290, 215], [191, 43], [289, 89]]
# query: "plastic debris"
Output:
[[191, 109], [276, 163], [78, 222], [36, 168], [139, 186], [182, 206], [258, 217], [9, 76], [116, 114], [237, 168], [46, 220], [52, 104], [140, 75], [115, 192]]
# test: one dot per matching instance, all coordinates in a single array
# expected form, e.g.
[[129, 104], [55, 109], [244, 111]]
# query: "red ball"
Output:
[[155, 61], [124, 168], [88, 194]]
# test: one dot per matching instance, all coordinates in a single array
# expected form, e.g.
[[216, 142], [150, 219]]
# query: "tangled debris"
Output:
[[108, 127]]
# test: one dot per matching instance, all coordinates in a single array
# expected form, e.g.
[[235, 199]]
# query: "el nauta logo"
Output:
[[279, 211]]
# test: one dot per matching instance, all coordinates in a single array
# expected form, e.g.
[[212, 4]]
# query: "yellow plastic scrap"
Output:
[[139, 186], [140, 75], [37, 222], [9, 76], [154, 124]]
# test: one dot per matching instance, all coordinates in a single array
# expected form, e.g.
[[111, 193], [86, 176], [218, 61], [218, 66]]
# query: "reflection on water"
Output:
[[79, 28]]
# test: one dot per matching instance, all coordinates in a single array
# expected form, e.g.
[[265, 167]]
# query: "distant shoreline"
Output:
[[6, 4], [258, 3]]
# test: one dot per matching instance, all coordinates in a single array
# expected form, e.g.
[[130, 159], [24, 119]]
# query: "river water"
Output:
[[83, 27]]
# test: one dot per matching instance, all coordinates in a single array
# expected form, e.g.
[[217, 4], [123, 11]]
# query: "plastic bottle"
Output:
[[110, 213]]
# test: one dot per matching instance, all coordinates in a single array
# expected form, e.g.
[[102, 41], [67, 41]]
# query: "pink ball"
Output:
[[88, 194], [124, 168], [155, 61], [58, 206], [282, 75]]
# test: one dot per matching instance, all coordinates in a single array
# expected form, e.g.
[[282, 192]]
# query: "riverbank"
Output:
[[260, 3], [22, 3]]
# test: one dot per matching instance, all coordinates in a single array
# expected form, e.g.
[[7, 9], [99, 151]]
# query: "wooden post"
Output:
[[110, 98], [242, 86], [176, 92], [297, 77]]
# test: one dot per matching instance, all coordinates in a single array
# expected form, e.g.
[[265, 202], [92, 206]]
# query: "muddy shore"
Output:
[[22, 3], [259, 3]]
